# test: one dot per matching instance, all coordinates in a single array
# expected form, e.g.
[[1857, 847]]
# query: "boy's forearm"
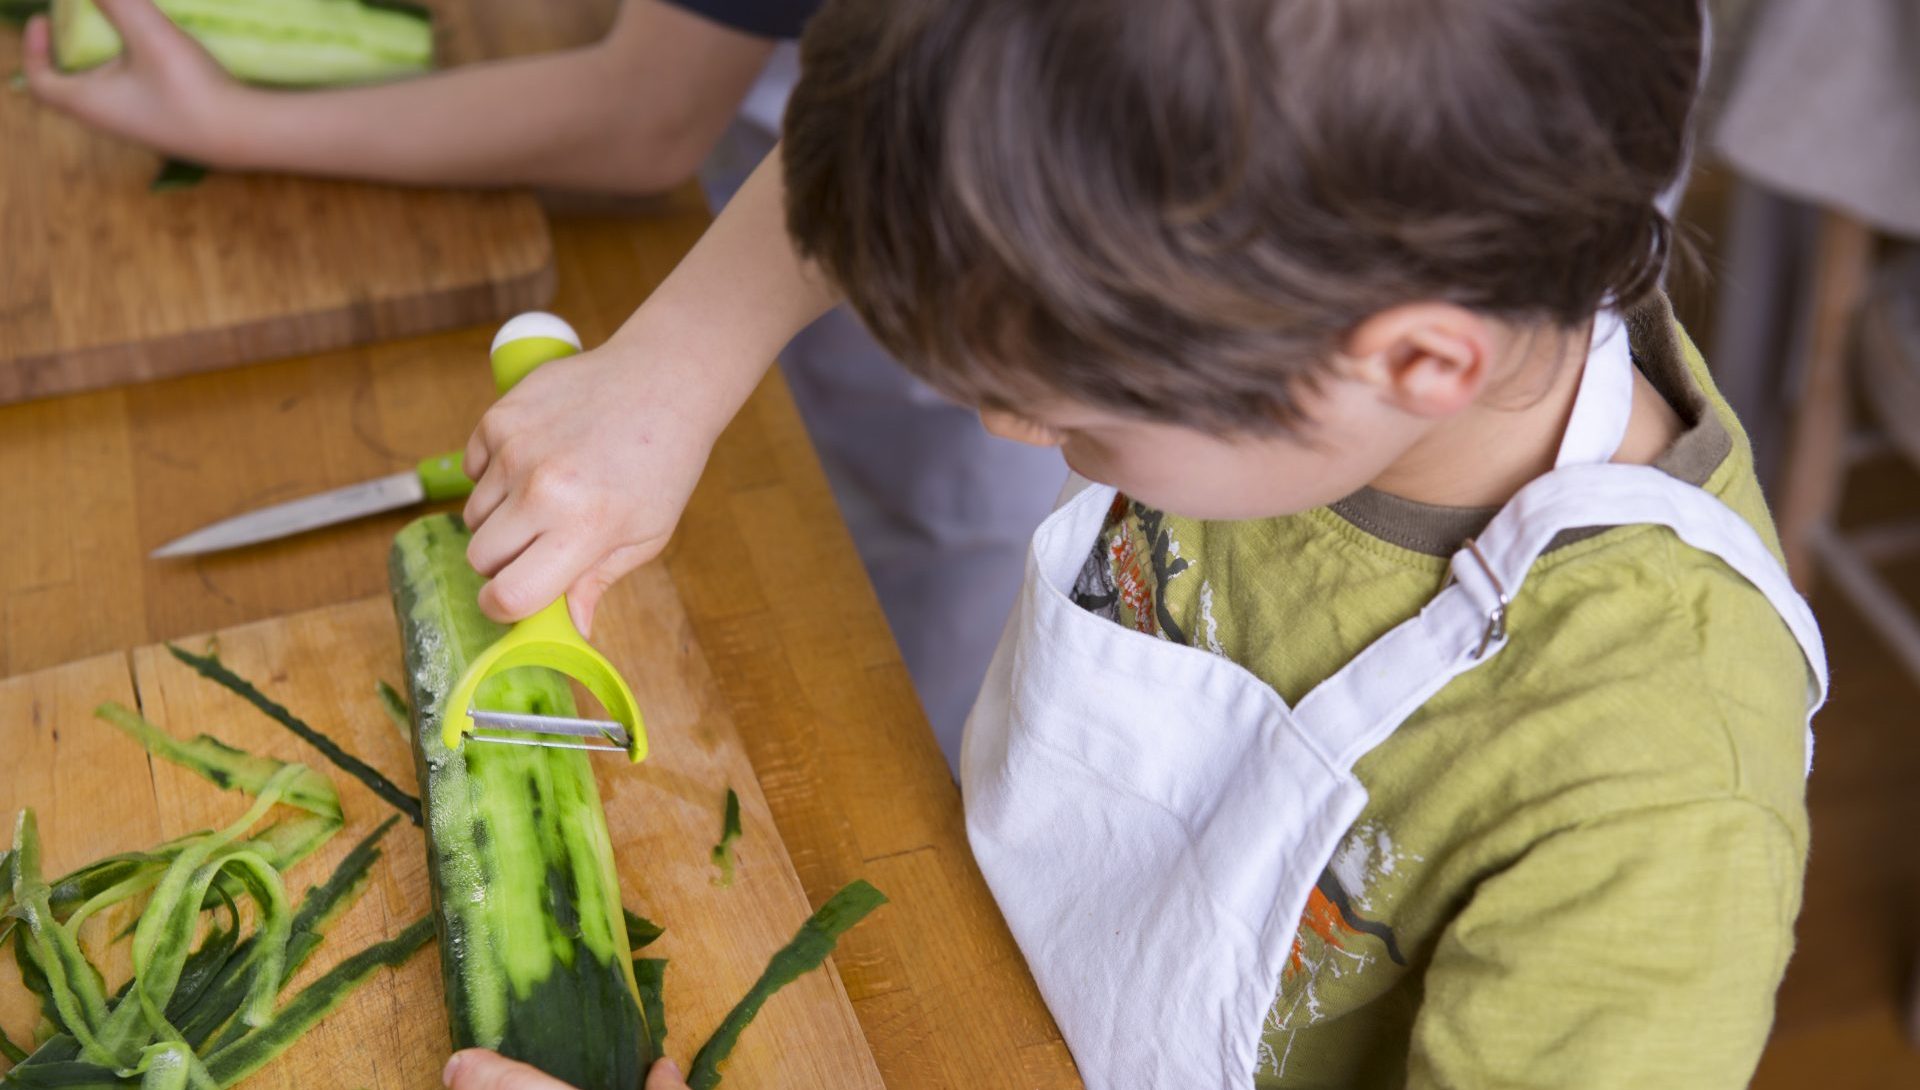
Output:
[[733, 303]]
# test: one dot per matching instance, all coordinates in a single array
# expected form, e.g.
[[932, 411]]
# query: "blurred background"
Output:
[[1804, 207]]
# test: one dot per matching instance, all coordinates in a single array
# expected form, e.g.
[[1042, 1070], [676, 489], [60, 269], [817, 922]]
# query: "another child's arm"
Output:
[[583, 470], [635, 112]]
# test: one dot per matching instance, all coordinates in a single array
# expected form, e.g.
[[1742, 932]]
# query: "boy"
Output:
[[1418, 701]]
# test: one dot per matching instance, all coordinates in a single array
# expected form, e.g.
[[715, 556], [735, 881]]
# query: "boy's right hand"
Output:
[[581, 473], [582, 470], [163, 91]]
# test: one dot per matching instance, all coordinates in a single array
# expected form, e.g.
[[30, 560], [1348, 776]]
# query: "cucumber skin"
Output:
[[285, 43], [533, 941]]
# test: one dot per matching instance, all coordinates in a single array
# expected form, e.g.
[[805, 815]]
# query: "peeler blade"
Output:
[[551, 726]]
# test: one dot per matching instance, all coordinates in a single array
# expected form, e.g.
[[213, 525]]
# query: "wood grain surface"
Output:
[[98, 794], [103, 282], [763, 567]]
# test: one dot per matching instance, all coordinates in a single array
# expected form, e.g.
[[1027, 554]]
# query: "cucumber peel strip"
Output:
[[641, 932], [283, 843], [723, 854], [324, 903], [73, 984], [257, 1048], [177, 174], [213, 669], [18, 12], [253, 1051], [396, 708], [807, 952], [651, 975], [90, 1041], [223, 765]]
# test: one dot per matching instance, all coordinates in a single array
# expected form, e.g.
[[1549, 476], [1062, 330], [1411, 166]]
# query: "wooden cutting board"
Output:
[[95, 793], [104, 283]]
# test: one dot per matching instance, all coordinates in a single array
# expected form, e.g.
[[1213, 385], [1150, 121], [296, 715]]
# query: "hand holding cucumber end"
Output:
[[162, 90], [478, 1069]]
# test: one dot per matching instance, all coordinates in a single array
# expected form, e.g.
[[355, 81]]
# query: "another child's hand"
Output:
[[581, 474], [164, 91], [478, 1069]]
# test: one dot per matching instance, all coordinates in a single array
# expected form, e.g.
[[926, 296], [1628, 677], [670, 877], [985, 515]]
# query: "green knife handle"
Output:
[[441, 479], [523, 344]]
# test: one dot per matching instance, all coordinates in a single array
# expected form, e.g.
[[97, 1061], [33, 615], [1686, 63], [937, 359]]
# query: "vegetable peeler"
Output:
[[547, 638]]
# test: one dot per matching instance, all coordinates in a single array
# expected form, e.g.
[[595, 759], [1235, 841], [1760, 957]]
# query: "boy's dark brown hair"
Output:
[[1176, 209]]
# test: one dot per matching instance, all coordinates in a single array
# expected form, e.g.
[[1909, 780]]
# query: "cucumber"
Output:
[[533, 941], [287, 43]]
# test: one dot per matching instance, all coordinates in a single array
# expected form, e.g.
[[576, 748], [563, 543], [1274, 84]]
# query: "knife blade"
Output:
[[403, 489], [524, 343]]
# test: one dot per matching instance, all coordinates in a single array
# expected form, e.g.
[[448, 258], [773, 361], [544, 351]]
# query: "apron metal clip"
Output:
[[1496, 629]]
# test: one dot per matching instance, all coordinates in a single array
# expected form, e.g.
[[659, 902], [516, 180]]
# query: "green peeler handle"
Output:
[[548, 638], [523, 344]]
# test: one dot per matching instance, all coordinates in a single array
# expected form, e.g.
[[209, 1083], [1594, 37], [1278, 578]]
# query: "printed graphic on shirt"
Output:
[[1346, 951]]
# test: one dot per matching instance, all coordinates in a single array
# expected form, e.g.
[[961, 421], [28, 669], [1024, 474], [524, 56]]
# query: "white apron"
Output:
[[1151, 817]]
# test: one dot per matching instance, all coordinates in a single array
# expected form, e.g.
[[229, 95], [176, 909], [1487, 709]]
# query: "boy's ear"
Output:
[[1426, 359]]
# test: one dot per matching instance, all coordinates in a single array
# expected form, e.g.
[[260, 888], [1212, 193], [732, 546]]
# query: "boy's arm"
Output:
[[583, 470], [1637, 950], [635, 112]]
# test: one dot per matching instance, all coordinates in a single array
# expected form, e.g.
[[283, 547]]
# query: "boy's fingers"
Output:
[[503, 537], [584, 595], [474, 463], [488, 491], [534, 579], [665, 1076], [478, 1069], [583, 598]]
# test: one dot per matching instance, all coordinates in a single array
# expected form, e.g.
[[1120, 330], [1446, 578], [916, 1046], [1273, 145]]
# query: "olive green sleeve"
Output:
[[1641, 949]]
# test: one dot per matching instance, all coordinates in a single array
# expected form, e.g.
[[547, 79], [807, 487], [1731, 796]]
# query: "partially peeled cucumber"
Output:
[[287, 43], [534, 948]]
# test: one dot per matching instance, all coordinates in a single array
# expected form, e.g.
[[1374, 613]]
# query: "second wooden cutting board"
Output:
[[103, 283], [97, 793]]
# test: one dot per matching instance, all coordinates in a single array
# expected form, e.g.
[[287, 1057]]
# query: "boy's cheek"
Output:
[[1241, 484]]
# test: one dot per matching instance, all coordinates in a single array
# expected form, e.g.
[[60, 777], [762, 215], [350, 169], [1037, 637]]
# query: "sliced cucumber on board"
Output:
[[289, 43]]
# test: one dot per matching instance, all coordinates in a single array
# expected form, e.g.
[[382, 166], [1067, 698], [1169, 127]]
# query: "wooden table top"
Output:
[[89, 484]]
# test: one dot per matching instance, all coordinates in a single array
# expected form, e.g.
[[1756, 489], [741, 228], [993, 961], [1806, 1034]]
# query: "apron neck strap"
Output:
[[1464, 626], [1466, 623], [1604, 402]]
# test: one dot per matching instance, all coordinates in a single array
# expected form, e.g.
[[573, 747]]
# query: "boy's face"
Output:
[[1404, 373], [1351, 441]]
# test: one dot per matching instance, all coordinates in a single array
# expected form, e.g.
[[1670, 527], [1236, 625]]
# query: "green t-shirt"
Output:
[[1581, 862]]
